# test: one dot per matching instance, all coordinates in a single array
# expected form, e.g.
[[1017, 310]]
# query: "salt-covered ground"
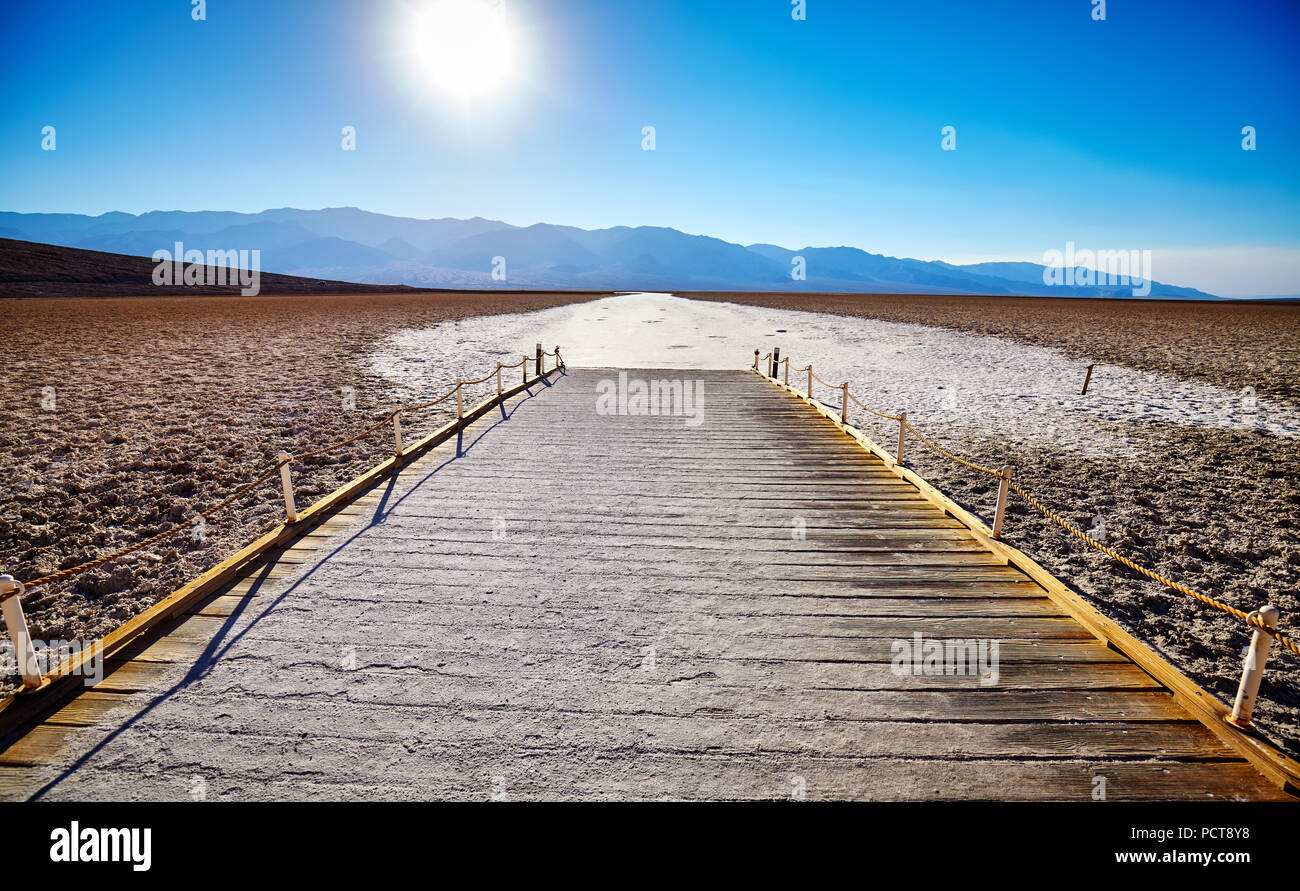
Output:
[[173, 403], [946, 380], [1195, 480]]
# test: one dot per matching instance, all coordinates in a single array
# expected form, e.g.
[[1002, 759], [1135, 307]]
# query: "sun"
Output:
[[465, 48]]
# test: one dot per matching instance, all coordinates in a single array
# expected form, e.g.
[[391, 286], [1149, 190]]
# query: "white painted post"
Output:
[[1253, 671], [810, 380], [499, 390], [11, 591], [902, 435], [460, 407], [397, 428], [1000, 513], [290, 508], [844, 405]]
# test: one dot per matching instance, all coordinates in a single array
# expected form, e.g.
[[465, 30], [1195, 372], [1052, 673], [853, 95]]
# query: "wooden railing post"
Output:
[[499, 390], [1253, 671], [1000, 513], [787, 371], [559, 363], [286, 483], [902, 436], [460, 406], [11, 592], [525, 369], [756, 360], [397, 429], [810, 381], [844, 406], [776, 361], [540, 359]]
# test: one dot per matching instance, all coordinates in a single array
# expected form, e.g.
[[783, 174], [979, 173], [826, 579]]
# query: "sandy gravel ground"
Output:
[[1184, 475], [126, 416]]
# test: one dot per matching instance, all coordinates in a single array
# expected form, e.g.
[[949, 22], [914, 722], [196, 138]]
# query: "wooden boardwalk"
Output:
[[566, 604]]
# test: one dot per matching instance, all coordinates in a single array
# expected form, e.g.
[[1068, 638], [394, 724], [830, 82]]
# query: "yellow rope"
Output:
[[153, 539], [1251, 619], [948, 454], [490, 374], [1074, 530], [879, 414], [63, 574]]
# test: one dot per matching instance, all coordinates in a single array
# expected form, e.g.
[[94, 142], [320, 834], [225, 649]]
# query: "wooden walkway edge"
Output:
[[644, 624], [1279, 767]]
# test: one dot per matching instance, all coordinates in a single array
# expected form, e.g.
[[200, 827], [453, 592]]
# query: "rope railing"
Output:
[[11, 590], [1262, 621]]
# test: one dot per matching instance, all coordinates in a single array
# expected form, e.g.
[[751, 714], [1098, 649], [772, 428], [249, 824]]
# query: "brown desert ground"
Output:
[[163, 406], [1221, 513]]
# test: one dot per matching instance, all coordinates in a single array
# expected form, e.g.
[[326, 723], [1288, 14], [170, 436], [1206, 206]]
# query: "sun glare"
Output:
[[464, 47]]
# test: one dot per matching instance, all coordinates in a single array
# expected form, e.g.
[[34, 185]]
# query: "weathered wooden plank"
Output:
[[772, 655]]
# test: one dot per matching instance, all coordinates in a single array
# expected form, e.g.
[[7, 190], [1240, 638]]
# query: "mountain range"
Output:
[[347, 243]]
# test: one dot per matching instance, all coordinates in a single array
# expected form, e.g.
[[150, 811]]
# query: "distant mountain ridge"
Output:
[[347, 243]]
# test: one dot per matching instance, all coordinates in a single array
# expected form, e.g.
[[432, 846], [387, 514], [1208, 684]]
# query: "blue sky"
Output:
[[1115, 134]]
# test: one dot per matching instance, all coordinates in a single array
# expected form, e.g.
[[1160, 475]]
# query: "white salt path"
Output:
[[948, 381]]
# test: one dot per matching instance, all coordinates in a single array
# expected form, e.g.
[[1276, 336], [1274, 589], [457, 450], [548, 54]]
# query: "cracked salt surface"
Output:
[[951, 383]]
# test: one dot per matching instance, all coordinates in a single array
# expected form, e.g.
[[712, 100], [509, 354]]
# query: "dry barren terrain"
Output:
[[126, 416]]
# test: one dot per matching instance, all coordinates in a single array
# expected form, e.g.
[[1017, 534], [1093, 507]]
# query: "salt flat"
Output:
[[945, 379]]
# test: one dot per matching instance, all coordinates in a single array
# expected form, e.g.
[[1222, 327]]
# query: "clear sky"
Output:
[[1115, 134]]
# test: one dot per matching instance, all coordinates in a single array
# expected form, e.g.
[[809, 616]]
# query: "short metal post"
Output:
[[844, 407], [460, 408], [11, 592], [902, 435], [787, 371], [290, 508], [1253, 671], [397, 428], [1000, 512], [809, 380]]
